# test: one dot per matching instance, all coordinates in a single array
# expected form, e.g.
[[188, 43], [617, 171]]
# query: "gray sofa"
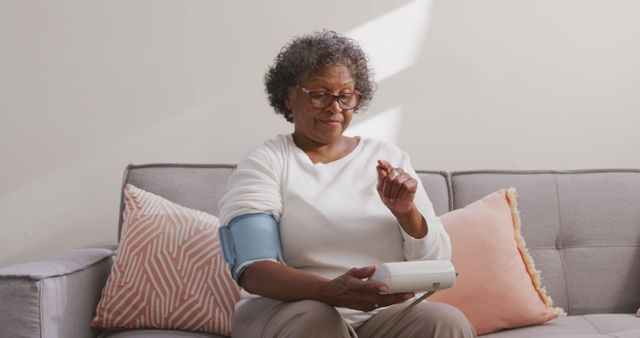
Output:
[[582, 228]]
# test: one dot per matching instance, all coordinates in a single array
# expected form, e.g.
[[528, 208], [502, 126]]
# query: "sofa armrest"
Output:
[[55, 297]]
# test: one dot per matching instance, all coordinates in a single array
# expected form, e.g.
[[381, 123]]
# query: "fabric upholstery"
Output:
[[20, 308], [613, 322], [559, 327], [600, 231], [575, 223], [581, 326], [39, 298], [436, 184]]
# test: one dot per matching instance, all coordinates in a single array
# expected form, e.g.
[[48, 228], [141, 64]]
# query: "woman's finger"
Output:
[[386, 188], [408, 189], [396, 176], [363, 272], [388, 164], [375, 286], [397, 185], [404, 191], [382, 173]]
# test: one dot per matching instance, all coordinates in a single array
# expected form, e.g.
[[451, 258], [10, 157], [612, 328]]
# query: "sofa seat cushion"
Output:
[[585, 326], [152, 333]]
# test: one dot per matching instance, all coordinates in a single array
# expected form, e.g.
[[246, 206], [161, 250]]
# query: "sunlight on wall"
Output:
[[393, 42], [383, 126], [394, 39]]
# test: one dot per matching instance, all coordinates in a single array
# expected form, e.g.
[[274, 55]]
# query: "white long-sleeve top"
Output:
[[330, 215]]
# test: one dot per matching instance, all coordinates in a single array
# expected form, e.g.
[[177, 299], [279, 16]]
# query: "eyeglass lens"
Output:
[[320, 99]]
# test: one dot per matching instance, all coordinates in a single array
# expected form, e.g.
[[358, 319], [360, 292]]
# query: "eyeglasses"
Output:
[[323, 99]]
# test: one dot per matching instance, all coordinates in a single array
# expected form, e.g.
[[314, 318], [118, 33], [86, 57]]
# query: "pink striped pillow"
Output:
[[169, 272]]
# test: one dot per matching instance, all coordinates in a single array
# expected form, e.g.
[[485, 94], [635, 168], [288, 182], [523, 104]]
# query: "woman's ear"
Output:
[[287, 102], [287, 99]]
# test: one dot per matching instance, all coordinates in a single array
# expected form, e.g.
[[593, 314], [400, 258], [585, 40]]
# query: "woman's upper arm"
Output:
[[255, 186]]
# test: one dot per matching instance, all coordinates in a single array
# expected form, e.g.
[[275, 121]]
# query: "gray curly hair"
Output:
[[309, 53]]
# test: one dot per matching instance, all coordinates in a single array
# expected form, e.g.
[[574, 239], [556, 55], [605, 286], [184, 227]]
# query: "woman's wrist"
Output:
[[324, 292], [412, 222]]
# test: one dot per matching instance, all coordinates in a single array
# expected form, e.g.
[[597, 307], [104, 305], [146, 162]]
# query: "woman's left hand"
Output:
[[396, 188]]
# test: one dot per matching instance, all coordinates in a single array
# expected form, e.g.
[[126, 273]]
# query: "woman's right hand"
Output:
[[351, 290]]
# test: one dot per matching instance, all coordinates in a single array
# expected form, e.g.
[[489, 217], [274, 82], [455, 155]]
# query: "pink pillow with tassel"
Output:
[[498, 286]]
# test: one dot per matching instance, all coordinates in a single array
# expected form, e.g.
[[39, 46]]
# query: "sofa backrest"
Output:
[[196, 186], [582, 227], [437, 185], [200, 186]]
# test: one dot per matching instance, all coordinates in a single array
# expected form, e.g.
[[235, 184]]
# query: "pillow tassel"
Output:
[[526, 257]]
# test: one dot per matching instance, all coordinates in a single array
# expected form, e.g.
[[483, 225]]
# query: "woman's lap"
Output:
[[426, 319], [264, 317], [268, 318]]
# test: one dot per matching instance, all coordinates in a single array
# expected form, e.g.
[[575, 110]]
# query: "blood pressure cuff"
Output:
[[247, 239]]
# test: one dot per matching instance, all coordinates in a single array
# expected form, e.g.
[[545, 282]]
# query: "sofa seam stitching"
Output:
[[81, 268], [547, 171], [561, 249], [40, 300], [450, 190], [181, 165], [585, 246], [125, 177], [594, 326]]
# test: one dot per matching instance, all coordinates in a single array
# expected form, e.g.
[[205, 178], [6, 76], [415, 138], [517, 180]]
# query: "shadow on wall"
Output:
[[163, 85]]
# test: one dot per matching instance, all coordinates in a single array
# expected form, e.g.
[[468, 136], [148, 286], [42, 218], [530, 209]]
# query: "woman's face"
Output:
[[321, 125]]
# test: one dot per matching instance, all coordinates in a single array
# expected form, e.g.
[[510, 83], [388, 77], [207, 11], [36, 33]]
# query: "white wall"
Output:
[[87, 87]]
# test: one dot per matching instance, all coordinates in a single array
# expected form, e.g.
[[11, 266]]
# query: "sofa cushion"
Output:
[[585, 326], [168, 272], [575, 222], [35, 295], [498, 286], [436, 184]]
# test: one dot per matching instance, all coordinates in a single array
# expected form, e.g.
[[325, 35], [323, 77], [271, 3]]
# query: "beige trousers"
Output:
[[268, 318]]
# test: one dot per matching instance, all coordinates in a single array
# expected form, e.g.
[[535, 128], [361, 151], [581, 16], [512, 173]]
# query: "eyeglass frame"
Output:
[[334, 98]]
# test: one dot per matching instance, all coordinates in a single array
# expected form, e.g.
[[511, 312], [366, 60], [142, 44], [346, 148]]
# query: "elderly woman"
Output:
[[342, 205]]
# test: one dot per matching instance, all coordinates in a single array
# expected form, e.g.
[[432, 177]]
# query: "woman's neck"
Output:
[[325, 152]]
